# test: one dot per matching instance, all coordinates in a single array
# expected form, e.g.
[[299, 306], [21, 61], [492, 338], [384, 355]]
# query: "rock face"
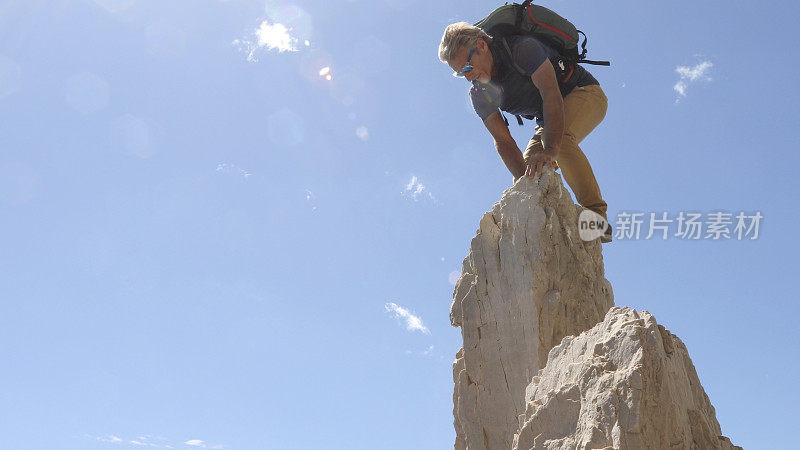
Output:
[[627, 383], [528, 281], [548, 362]]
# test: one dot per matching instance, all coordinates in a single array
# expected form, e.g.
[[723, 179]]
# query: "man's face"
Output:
[[481, 62]]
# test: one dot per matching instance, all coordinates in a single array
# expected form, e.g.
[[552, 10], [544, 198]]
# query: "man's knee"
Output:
[[569, 143]]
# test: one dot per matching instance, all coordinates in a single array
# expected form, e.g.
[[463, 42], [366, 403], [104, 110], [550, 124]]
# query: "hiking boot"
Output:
[[606, 237]]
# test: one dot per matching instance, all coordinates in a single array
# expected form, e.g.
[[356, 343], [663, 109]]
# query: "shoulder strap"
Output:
[[510, 55]]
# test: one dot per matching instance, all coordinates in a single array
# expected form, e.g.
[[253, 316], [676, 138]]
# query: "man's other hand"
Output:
[[535, 163]]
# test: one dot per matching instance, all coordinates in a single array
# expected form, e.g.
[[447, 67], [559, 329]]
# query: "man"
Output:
[[567, 103]]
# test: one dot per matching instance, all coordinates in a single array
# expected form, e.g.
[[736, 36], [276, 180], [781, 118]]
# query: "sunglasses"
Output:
[[467, 67]]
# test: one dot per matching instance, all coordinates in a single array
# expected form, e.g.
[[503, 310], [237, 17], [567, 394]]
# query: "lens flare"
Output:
[[362, 133]]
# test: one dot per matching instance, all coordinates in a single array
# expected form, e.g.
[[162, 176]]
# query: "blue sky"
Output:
[[209, 244]]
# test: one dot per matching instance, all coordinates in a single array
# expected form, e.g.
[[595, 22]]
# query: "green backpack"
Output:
[[534, 20], [538, 21]]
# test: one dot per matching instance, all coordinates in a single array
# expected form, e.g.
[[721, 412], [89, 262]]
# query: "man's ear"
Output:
[[481, 44]]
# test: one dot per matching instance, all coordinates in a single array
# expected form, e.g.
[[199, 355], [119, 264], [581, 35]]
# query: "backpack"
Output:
[[534, 20]]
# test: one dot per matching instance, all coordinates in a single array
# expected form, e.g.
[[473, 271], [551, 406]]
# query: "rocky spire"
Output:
[[528, 281], [529, 284], [627, 383]]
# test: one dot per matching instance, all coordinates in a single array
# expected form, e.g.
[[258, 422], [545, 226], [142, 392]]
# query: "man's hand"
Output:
[[536, 163]]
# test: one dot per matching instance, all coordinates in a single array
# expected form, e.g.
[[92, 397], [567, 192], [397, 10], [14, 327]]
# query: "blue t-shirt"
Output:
[[529, 53]]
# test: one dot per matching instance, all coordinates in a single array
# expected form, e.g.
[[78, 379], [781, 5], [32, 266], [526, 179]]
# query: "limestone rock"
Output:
[[627, 383], [528, 281]]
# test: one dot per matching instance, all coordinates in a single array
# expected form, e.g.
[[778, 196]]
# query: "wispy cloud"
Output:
[[269, 36], [412, 321], [109, 438], [453, 277], [148, 440], [311, 198], [427, 352], [232, 168], [689, 75], [201, 444], [416, 189]]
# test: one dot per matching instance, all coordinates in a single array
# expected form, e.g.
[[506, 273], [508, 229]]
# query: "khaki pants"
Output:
[[584, 108]]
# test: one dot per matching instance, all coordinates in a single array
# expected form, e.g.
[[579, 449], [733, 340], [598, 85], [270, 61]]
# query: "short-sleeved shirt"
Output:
[[529, 53]]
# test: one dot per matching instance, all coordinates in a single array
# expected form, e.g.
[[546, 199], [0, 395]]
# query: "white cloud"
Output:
[[268, 36], [232, 168], [413, 322], [275, 36], [201, 444], [415, 189], [311, 198], [148, 440], [109, 438], [453, 277], [689, 75], [414, 186], [427, 352]]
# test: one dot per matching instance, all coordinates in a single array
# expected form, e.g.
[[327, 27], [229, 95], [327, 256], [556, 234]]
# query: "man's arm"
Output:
[[544, 78], [553, 109], [505, 144]]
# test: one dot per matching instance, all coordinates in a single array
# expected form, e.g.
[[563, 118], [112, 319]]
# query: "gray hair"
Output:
[[458, 35]]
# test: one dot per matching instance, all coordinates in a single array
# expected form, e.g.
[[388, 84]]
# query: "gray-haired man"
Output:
[[566, 110]]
